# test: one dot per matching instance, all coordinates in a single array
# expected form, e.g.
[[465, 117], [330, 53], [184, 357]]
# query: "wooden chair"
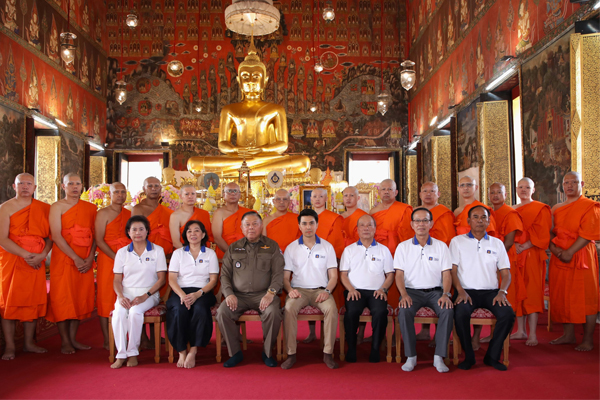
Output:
[[213, 312], [547, 298], [425, 315], [253, 315], [366, 317], [481, 316], [308, 313], [157, 316]]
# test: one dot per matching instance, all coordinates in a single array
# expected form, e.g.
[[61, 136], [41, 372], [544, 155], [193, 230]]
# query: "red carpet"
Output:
[[542, 372]]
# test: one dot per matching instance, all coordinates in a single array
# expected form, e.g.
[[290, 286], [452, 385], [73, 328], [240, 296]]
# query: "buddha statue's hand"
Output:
[[249, 151]]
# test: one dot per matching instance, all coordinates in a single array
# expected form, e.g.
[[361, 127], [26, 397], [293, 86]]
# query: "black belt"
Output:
[[429, 290]]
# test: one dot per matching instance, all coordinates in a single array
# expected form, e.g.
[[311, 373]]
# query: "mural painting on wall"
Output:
[[161, 106], [467, 147], [33, 74], [460, 46], [427, 159], [71, 155], [12, 153], [547, 119]]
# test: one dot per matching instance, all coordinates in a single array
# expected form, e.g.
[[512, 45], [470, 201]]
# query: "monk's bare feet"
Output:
[[475, 343], [311, 336], [564, 339], [9, 354], [67, 348], [518, 336], [118, 363], [190, 360], [146, 344], [181, 361], [585, 346], [132, 361], [431, 343], [532, 341], [364, 340], [105, 345], [423, 335], [486, 339], [32, 348], [80, 346]]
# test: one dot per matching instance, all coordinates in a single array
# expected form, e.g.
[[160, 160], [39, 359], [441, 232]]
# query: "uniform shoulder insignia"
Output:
[[265, 247]]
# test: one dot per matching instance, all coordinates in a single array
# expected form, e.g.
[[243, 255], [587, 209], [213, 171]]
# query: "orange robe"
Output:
[[115, 238], [204, 217], [71, 292], [507, 221], [284, 230], [159, 228], [462, 226], [537, 223], [330, 229], [574, 285], [443, 224], [349, 227], [393, 227], [232, 228], [23, 294]]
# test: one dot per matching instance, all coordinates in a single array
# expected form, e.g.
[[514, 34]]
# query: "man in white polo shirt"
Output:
[[476, 260], [367, 272], [312, 262], [424, 278]]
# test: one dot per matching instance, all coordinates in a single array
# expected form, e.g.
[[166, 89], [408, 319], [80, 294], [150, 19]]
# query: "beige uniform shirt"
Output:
[[252, 268]]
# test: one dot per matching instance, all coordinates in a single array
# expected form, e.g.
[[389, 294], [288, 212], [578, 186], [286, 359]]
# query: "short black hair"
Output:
[[308, 213], [137, 218], [487, 212], [251, 213], [412, 216], [186, 242]]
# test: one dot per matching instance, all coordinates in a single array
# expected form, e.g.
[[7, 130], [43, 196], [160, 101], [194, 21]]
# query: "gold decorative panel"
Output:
[[442, 169], [47, 169], [590, 124], [576, 139], [411, 181], [493, 133], [97, 170]]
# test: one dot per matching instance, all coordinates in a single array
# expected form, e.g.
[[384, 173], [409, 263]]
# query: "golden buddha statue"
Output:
[[260, 129]]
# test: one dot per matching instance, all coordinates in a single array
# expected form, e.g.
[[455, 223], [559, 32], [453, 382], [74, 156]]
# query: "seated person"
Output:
[[424, 280], [140, 271], [476, 259], [313, 263], [193, 273], [367, 272]]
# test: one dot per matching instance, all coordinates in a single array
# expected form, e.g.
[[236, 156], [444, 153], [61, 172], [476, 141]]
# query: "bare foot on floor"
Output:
[[423, 335], [105, 345], [532, 341], [486, 339], [364, 340], [80, 346], [9, 354], [118, 363], [190, 360], [585, 346], [146, 345], [431, 343], [563, 340], [132, 362], [34, 349], [310, 338], [518, 336], [475, 343], [67, 349], [181, 361]]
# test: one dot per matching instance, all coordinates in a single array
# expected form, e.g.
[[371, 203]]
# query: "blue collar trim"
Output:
[[148, 246], [486, 236], [416, 242], [374, 243], [301, 239], [202, 248]]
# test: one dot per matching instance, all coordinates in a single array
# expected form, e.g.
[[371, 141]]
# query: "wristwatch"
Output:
[[384, 290], [149, 294], [201, 292], [272, 291], [449, 294], [328, 291], [503, 291]]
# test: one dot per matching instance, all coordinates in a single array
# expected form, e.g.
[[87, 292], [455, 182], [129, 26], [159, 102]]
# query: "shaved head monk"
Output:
[[467, 187], [25, 242], [188, 212], [110, 237], [574, 263], [282, 225], [531, 253], [71, 274], [443, 228], [227, 220]]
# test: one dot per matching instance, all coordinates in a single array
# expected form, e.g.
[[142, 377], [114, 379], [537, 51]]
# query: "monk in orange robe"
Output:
[[350, 216], [188, 212], [330, 223], [574, 263], [282, 225], [71, 267], [110, 237], [25, 243], [467, 187], [227, 220], [537, 223], [157, 214]]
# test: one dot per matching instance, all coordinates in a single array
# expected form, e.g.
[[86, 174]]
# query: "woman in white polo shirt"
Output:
[[193, 274], [140, 271]]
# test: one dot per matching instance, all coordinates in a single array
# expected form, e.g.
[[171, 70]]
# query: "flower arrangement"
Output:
[[169, 197], [100, 195]]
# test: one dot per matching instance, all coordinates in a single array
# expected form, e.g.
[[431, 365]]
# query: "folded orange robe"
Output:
[[23, 294], [574, 285], [115, 238], [462, 226], [204, 217], [507, 221], [71, 292], [393, 227], [284, 230], [330, 229], [537, 223], [443, 224], [159, 228], [232, 228], [349, 227]]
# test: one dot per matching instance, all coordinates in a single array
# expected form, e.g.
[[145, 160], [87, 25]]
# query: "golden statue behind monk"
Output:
[[260, 130]]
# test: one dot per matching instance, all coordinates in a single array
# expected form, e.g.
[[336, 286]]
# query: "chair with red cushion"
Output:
[[366, 317], [308, 313], [213, 312], [253, 315]]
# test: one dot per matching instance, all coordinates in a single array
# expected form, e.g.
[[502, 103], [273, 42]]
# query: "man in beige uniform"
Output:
[[251, 277]]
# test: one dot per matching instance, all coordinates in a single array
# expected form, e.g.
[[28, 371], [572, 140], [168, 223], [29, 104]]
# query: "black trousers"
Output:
[[354, 309], [505, 317], [193, 326]]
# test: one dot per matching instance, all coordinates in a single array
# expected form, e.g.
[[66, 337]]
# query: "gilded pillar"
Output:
[[48, 168], [442, 169], [97, 170], [412, 197]]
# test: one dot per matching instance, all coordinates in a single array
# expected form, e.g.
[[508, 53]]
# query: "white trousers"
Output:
[[131, 321]]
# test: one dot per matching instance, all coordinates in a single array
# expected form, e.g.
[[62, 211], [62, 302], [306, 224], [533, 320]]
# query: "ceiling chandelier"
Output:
[[328, 13], [252, 17], [67, 40]]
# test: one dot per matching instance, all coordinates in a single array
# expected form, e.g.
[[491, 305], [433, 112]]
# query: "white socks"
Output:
[[410, 364], [438, 363]]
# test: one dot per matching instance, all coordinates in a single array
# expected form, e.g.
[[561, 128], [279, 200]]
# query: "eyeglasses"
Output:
[[421, 221], [464, 185], [231, 191]]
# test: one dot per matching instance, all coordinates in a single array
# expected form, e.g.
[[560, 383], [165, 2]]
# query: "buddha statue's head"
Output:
[[252, 75]]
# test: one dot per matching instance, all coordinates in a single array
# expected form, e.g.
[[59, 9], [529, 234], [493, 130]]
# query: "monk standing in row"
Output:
[[110, 237], [71, 266], [282, 225], [467, 187], [227, 220], [351, 215], [188, 211], [25, 243], [157, 214], [330, 223], [574, 263], [537, 223]]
